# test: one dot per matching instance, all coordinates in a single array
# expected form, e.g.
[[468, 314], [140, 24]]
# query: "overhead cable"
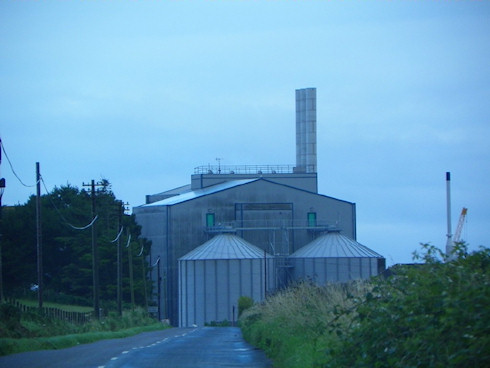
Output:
[[12, 167], [141, 251], [129, 240], [118, 235], [84, 227], [63, 217]]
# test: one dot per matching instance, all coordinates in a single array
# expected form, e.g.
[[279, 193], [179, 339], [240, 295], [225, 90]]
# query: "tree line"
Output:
[[67, 249]]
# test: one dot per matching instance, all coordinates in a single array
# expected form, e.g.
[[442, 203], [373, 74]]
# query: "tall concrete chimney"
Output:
[[306, 130]]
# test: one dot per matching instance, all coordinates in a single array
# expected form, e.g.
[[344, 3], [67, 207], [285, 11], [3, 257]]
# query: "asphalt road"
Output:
[[206, 347]]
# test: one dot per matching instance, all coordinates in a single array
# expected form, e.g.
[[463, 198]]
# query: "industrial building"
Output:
[[230, 232]]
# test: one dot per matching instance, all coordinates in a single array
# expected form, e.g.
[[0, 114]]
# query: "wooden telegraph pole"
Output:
[[119, 261], [39, 238], [130, 263], [95, 251], [2, 188]]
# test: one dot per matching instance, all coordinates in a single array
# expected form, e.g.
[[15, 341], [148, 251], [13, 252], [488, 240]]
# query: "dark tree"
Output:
[[67, 251]]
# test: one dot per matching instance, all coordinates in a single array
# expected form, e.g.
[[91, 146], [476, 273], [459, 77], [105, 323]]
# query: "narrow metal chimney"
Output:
[[306, 130], [449, 235]]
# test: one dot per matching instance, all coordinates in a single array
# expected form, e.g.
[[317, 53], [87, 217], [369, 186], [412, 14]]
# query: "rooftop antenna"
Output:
[[219, 164]]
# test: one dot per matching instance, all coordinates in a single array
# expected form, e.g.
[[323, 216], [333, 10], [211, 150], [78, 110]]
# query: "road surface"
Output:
[[206, 347]]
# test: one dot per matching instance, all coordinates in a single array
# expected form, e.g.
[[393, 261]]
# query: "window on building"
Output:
[[311, 219], [209, 219]]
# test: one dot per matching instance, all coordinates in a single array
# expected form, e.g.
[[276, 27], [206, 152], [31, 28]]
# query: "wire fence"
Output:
[[55, 313]]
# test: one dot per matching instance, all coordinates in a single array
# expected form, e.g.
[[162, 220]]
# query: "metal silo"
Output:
[[333, 257], [214, 275]]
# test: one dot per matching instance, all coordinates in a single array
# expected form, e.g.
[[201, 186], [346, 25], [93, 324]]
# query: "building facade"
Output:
[[278, 218], [276, 208]]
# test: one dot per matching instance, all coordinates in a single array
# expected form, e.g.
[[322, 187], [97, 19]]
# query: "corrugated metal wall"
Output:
[[209, 289], [334, 269]]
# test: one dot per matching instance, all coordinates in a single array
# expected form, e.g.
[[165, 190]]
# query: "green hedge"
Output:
[[435, 314]]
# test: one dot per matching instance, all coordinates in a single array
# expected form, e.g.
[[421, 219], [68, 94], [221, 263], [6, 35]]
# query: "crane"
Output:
[[459, 228]]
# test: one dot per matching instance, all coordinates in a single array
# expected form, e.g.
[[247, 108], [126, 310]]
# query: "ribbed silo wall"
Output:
[[333, 269], [209, 289]]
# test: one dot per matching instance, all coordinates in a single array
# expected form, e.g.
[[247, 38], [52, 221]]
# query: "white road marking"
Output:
[[152, 345]]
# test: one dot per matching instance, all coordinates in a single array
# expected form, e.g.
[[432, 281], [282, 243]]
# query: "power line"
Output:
[[141, 251], [129, 241], [63, 217], [118, 235], [12, 167]]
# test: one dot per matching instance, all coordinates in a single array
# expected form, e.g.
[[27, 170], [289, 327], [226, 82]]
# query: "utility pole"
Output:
[[130, 262], [265, 274], [2, 188], [39, 238], [157, 263], [119, 262], [144, 273], [95, 251]]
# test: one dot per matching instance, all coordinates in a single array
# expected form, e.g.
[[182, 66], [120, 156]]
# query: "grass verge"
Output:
[[295, 326], [12, 346]]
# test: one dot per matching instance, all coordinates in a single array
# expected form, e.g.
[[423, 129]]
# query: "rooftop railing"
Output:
[[244, 169]]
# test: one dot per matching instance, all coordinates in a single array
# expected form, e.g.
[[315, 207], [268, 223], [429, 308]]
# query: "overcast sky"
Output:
[[141, 92]]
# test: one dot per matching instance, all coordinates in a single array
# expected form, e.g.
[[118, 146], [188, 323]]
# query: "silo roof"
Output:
[[335, 245], [225, 246]]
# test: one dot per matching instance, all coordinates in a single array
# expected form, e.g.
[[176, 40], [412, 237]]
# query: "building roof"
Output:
[[225, 246], [175, 191], [192, 194], [335, 245]]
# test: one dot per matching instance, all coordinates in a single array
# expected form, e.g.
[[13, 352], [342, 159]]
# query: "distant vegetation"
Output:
[[67, 252], [435, 314], [67, 271], [21, 332]]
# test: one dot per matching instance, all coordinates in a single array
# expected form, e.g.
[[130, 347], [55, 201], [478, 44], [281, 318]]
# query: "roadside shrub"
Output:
[[295, 326], [9, 315], [432, 315], [10, 320], [244, 302], [40, 332], [114, 322], [224, 323]]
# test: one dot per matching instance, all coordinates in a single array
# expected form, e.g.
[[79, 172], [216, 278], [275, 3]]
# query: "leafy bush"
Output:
[[244, 302], [224, 323], [10, 320], [433, 314]]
